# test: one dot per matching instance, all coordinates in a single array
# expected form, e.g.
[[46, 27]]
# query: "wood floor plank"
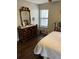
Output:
[[25, 49]]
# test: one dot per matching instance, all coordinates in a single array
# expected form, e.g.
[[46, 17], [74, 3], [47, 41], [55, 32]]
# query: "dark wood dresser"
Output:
[[27, 33]]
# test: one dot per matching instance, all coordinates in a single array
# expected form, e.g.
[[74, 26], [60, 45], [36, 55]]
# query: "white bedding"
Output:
[[50, 46]]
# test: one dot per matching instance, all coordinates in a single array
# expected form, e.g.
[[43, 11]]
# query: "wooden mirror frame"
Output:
[[24, 9]]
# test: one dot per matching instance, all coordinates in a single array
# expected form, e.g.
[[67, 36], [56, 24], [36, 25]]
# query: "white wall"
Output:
[[57, 11], [43, 6], [33, 8], [54, 14]]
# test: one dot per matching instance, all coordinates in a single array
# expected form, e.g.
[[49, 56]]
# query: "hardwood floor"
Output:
[[25, 49]]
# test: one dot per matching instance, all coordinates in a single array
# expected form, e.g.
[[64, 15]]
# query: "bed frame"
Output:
[[57, 26]]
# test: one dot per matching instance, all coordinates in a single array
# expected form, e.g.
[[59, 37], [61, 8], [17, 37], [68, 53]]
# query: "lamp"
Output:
[[33, 19]]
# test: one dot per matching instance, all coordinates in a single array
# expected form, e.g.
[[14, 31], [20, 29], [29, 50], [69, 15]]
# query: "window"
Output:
[[44, 18]]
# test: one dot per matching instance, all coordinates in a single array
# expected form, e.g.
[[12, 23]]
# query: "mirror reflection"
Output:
[[25, 16]]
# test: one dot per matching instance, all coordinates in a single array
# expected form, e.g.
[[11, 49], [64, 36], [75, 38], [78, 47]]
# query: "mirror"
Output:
[[25, 16]]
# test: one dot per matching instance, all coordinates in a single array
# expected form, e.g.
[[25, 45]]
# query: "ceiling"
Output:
[[40, 1]]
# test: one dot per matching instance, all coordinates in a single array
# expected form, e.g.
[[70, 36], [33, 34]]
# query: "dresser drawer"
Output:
[[27, 33]]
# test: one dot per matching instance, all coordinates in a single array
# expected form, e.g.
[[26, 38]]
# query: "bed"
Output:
[[50, 46]]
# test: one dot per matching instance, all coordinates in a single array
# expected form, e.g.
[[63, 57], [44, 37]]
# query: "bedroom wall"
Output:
[[43, 6], [33, 8], [54, 13], [57, 11]]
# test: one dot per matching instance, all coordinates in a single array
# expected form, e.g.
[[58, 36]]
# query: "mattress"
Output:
[[49, 46]]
